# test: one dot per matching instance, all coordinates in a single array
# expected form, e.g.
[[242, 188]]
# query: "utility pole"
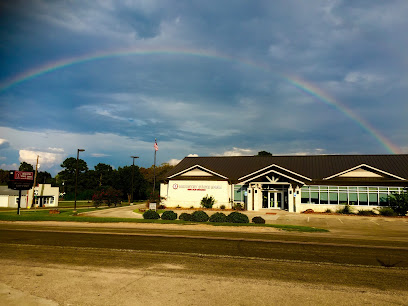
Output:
[[133, 174], [76, 176], [35, 182]]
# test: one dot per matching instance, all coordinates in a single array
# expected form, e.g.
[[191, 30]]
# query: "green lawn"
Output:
[[68, 215]]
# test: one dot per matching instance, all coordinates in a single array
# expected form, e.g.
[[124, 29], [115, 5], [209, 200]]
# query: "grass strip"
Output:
[[67, 215]]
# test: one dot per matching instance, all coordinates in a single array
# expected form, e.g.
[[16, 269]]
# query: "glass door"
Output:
[[279, 197]]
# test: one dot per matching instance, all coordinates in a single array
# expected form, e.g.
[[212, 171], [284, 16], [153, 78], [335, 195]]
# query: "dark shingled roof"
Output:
[[4, 190], [316, 167]]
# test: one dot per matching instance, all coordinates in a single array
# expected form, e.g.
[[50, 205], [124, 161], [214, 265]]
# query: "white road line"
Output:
[[340, 220], [375, 222], [308, 219]]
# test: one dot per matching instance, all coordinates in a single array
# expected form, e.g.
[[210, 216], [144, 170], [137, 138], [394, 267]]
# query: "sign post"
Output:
[[20, 180]]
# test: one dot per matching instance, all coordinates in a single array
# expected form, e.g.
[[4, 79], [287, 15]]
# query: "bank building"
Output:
[[292, 183]]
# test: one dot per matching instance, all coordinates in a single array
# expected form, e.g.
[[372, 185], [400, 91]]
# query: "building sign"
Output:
[[22, 175], [197, 187], [21, 180]]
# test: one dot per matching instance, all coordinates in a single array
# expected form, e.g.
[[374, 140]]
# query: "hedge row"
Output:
[[201, 216]]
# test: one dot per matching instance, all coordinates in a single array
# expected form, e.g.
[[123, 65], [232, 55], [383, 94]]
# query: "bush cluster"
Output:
[[169, 215], [218, 217], [185, 217], [387, 212], [199, 216], [399, 202], [366, 213], [237, 217], [151, 214], [345, 210], [258, 220]]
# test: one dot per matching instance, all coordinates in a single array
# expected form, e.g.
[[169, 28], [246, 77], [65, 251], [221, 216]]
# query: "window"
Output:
[[238, 191], [373, 199], [333, 196], [314, 197], [353, 195], [353, 198], [305, 195], [343, 198], [324, 198], [363, 199]]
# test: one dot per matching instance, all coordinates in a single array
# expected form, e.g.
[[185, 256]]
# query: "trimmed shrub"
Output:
[[207, 201], [185, 217], [366, 213], [237, 217], [238, 206], [328, 211], [150, 214], [169, 215], [218, 217], [346, 210], [199, 216], [222, 206], [387, 212], [258, 220]]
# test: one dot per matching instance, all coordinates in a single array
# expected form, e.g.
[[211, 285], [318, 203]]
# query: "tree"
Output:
[[4, 177], [264, 153], [43, 177], [68, 174], [25, 167], [123, 181], [108, 196], [161, 171], [104, 174], [399, 202]]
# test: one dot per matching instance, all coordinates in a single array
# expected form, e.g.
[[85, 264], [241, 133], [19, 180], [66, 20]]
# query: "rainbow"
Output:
[[302, 85]]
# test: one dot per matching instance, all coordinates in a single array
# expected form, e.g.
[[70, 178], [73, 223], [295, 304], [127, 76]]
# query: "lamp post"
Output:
[[133, 174], [76, 176]]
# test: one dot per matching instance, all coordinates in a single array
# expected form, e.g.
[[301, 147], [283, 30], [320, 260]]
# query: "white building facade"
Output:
[[44, 196], [292, 183]]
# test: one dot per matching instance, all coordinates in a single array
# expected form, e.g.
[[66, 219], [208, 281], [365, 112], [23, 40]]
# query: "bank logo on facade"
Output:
[[175, 186]]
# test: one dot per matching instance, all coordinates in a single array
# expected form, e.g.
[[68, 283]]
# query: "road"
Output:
[[322, 267]]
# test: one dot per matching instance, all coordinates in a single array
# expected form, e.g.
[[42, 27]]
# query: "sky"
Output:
[[206, 78]]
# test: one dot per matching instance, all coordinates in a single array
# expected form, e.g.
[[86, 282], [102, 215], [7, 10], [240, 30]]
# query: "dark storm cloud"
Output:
[[354, 52]]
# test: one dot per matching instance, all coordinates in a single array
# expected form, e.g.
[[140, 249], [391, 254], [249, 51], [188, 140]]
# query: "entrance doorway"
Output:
[[272, 199]]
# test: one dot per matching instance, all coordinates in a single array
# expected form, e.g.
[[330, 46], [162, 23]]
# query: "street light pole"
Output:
[[133, 174], [76, 176]]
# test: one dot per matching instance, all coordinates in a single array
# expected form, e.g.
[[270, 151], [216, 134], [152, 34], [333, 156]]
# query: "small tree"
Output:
[[109, 196], [399, 202], [207, 201]]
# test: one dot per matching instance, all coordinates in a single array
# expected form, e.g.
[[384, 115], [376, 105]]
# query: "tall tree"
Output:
[[104, 174], [123, 182], [264, 153], [25, 167], [4, 177], [160, 171], [43, 177], [68, 174]]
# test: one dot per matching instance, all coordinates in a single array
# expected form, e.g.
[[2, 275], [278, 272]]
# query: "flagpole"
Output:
[[154, 166]]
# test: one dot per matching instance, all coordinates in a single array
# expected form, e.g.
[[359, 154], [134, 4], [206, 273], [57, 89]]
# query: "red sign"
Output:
[[23, 176]]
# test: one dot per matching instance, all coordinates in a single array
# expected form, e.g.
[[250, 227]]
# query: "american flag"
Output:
[[156, 147]]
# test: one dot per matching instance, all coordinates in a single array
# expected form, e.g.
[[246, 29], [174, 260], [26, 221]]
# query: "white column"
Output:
[[249, 198], [257, 197], [290, 199], [298, 199]]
